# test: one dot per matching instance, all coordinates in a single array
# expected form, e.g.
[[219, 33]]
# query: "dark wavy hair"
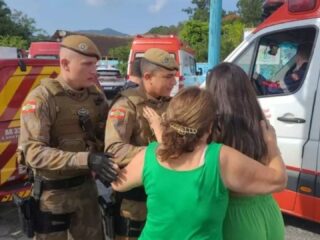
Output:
[[191, 109], [237, 112]]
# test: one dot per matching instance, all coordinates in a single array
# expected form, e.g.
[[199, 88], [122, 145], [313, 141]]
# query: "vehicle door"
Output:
[[188, 69], [267, 57]]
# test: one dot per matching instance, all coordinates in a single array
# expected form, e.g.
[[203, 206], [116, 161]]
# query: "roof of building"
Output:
[[103, 42]]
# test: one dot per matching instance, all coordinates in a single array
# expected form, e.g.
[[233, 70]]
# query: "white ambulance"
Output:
[[269, 56]]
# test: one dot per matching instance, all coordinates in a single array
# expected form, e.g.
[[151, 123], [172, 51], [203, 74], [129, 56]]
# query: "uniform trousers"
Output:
[[82, 204]]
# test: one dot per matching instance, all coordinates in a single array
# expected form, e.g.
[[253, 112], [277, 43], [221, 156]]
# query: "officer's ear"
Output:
[[147, 76], [64, 64]]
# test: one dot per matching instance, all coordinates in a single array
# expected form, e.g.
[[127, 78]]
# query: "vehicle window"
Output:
[[108, 72], [141, 54], [281, 61], [244, 60], [188, 64]]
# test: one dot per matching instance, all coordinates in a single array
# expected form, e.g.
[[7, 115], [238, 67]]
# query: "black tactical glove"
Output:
[[101, 164]]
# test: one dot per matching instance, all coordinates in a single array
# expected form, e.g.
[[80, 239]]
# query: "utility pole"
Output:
[[214, 32]]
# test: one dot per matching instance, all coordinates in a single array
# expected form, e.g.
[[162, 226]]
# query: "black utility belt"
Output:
[[64, 183]]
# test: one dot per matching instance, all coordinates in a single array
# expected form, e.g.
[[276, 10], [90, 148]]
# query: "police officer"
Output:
[[61, 124], [129, 132], [135, 75]]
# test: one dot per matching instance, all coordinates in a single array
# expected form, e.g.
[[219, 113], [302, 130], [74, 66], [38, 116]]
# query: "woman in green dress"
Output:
[[236, 124]]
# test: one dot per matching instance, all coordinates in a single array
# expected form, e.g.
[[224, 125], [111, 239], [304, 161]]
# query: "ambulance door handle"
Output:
[[291, 120]]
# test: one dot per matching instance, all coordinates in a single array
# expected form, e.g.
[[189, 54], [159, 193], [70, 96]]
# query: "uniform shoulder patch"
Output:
[[118, 113], [29, 106]]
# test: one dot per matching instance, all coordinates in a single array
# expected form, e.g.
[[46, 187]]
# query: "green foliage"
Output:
[[200, 12], [195, 33], [163, 30], [250, 11], [18, 25], [122, 54], [231, 34], [13, 41]]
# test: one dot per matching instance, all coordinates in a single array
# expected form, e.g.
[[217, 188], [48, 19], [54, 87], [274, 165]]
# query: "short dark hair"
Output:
[[304, 50], [136, 68]]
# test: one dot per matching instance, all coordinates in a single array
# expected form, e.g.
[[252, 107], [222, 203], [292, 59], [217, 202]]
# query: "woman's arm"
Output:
[[245, 175], [130, 176]]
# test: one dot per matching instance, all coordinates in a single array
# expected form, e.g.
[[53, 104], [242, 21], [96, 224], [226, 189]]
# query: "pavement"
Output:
[[296, 229]]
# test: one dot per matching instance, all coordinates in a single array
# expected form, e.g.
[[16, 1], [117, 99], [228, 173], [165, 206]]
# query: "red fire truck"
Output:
[[17, 78]]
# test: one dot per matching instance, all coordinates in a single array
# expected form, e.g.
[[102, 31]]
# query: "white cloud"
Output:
[[157, 6], [96, 2]]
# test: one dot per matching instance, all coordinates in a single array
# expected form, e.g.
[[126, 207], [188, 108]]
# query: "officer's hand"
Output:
[[103, 166]]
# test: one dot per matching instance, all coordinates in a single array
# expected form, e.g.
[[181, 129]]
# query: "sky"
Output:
[[126, 16]]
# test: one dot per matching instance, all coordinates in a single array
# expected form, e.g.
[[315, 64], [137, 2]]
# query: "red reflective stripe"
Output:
[[5, 75], [21, 93], [303, 170]]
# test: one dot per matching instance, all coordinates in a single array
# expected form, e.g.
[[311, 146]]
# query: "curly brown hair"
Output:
[[188, 117]]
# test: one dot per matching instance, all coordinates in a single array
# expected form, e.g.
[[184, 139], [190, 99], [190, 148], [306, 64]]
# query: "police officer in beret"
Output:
[[135, 75], [61, 124], [129, 132]]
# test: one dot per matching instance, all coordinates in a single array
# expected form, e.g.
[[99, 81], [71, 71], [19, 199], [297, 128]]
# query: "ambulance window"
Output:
[[141, 54], [245, 59], [282, 61]]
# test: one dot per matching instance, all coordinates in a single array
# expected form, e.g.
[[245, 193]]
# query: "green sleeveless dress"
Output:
[[184, 205]]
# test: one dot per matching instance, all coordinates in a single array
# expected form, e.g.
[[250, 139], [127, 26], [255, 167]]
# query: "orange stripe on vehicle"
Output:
[[26, 193], [11, 87], [3, 146], [8, 169], [45, 71], [15, 123]]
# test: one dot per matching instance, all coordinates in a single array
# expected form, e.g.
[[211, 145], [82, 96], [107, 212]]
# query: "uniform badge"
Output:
[[117, 113], [29, 107], [83, 112], [83, 47]]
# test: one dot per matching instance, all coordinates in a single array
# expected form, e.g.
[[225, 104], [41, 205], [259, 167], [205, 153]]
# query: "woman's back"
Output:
[[184, 204]]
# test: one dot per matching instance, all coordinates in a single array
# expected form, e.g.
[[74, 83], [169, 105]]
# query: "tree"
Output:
[[122, 54], [164, 30], [250, 11], [200, 12], [15, 26], [13, 41], [26, 26], [231, 34], [195, 33], [6, 24]]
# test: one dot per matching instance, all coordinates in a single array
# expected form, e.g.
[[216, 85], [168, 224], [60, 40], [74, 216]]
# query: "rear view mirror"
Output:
[[273, 49], [199, 72]]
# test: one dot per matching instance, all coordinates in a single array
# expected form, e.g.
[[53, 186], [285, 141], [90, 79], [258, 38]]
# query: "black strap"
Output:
[[47, 222], [64, 183], [136, 194], [128, 227]]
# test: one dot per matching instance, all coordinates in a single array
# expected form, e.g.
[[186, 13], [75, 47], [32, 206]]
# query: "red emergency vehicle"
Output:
[[182, 53], [44, 50], [17, 78], [268, 54]]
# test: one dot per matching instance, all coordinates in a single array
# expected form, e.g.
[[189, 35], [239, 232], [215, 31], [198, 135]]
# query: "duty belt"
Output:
[[64, 183]]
